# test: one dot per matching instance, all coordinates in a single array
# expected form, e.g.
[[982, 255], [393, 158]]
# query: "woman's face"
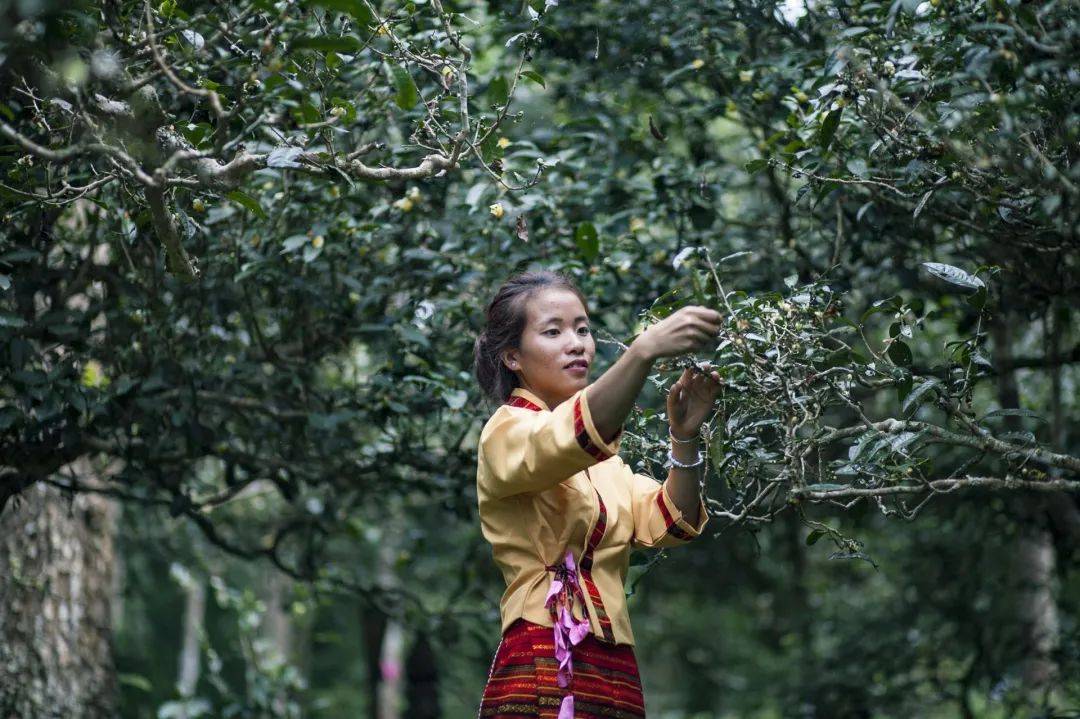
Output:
[[556, 334]]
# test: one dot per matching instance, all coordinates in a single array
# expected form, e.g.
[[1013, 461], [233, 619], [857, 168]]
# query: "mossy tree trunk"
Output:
[[57, 564]]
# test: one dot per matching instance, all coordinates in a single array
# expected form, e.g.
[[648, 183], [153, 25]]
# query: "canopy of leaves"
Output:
[[247, 247]]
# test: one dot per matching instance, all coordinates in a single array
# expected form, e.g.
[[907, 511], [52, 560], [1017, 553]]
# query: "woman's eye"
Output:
[[586, 329]]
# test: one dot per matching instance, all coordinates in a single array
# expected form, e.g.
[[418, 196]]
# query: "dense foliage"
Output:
[[247, 246]]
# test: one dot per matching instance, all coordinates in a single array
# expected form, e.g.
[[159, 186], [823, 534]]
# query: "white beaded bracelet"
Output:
[[682, 465]]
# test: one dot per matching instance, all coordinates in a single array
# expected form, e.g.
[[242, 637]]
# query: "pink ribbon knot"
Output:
[[568, 631]]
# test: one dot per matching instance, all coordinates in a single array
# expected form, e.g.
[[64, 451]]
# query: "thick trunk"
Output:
[[1034, 558], [276, 623], [276, 626], [391, 666], [57, 567], [795, 600], [1037, 609], [384, 640], [288, 633], [422, 681], [392, 653], [373, 627], [190, 649]]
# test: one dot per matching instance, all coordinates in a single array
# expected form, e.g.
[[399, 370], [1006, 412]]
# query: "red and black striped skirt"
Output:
[[522, 681]]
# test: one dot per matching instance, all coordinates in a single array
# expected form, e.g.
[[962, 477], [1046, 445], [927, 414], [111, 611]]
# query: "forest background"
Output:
[[246, 247]]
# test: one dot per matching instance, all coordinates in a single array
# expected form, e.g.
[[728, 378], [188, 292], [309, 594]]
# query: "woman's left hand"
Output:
[[690, 400]]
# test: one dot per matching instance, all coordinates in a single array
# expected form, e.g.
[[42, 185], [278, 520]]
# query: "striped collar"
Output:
[[521, 397]]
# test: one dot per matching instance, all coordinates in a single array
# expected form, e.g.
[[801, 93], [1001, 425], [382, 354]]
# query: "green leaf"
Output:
[[903, 387], [900, 354], [892, 304], [588, 240], [734, 255], [1013, 412], [10, 320], [355, 8], [498, 91], [814, 536], [918, 392], [489, 148], [825, 487], [828, 128], [1022, 437], [922, 203], [856, 450], [455, 399], [135, 680], [900, 441], [476, 192], [699, 291], [853, 555], [535, 77], [407, 95], [325, 43], [311, 252], [756, 166], [348, 107], [195, 133], [953, 275], [701, 216], [293, 243], [21, 255], [8, 415], [284, 156], [978, 298], [837, 358], [247, 201]]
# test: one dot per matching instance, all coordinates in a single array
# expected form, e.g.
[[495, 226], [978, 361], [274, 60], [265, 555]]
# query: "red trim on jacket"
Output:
[[586, 563], [583, 437], [672, 528], [517, 401]]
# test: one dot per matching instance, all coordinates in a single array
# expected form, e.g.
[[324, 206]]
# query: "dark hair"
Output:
[[504, 324]]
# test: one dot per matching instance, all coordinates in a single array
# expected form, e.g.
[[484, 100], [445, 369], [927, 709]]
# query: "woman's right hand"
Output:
[[688, 329]]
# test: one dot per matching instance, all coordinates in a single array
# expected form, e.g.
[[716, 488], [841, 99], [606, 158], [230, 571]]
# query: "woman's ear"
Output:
[[509, 360]]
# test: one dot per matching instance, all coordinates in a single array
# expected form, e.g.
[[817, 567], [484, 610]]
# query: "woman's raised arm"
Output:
[[612, 395]]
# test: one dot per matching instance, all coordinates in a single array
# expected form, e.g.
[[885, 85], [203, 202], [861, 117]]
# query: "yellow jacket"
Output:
[[546, 480]]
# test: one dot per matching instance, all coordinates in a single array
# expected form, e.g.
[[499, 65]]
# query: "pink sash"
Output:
[[568, 630]]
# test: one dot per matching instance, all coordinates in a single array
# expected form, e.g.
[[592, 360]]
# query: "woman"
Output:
[[560, 507]]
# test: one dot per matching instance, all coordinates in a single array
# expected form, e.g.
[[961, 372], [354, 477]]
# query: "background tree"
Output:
[[354, 179]]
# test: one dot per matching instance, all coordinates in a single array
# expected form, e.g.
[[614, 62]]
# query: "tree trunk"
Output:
[[57, 564], [422, 681], [190, 647], [1034, 559], [373, 627], [391, 670], [392, 653], [276, 625], [384, 637]]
